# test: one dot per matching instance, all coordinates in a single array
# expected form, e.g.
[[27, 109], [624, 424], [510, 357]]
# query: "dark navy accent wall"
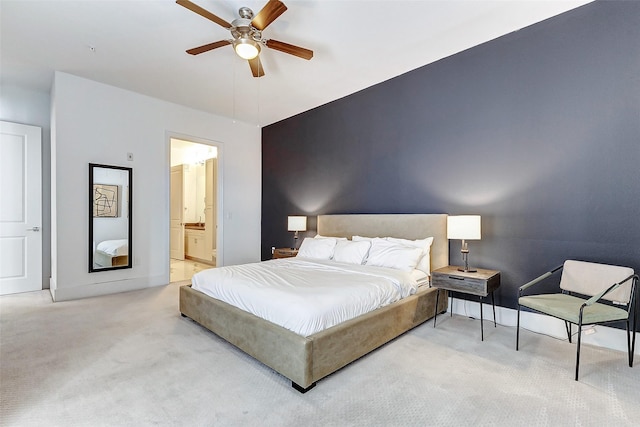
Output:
[[537, 131]]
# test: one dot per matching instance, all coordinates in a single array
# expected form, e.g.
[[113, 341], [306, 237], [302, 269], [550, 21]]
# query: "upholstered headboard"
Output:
[[404, 226]]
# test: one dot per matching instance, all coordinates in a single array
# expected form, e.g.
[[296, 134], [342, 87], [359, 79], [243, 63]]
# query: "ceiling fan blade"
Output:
[[268, 14], [290, 49], [202, 12], [208, 47], [256, 67]]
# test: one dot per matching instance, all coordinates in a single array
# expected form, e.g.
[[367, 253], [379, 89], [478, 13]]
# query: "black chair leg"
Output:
[[629, 351], [518, 329], [578, 347], [567, 326], [633, 341]]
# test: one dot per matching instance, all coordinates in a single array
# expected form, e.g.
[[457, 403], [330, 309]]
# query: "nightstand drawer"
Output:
[[481, 282], [467, 285]]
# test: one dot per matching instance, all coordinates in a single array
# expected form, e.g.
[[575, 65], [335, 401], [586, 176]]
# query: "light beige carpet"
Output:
[[132, 360]]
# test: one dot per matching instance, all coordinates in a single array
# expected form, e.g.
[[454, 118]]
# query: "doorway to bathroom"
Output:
[[194, 203]]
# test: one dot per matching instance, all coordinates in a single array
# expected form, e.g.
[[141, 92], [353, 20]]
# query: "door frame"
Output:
[[219, 191]]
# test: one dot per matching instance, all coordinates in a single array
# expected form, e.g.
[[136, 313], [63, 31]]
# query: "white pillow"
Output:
[[329, 237], [384, 253], [317, 248], [362, 239], [424, 263], [351, 252]]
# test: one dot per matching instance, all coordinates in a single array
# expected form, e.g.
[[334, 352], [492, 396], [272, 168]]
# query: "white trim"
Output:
[[604, 336], [52, 288]]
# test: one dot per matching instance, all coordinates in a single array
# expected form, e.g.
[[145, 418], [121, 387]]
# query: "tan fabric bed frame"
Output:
[[305, 360]]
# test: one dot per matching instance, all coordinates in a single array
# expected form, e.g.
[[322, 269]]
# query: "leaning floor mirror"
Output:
[[110, 224]]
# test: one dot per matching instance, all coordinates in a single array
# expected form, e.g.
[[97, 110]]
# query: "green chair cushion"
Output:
[[567, 307]]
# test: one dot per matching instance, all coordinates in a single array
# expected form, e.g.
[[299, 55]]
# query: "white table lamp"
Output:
[[297, 224], [464, 227]]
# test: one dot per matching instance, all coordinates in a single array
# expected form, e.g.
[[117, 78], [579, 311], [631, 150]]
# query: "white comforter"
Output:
[[305, 295]]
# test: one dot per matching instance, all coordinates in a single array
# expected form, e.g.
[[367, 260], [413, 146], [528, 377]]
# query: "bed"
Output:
[[306, 359], [112, 253]]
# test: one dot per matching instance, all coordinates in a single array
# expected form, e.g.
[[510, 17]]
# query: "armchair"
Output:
[[591, 294]]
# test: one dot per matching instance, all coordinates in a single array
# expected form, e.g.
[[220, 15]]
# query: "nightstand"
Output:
[[481, 283], [284, 253]]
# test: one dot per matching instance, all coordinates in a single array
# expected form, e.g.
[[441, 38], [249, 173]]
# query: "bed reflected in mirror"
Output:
[[110, 224]]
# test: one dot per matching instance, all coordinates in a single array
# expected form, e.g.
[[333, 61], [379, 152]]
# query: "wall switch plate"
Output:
[[130, 157]]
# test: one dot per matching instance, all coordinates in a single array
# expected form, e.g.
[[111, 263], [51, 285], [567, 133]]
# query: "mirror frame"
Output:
[[129, 264]]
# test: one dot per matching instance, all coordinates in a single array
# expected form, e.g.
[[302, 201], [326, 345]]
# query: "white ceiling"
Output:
[[140, 45]]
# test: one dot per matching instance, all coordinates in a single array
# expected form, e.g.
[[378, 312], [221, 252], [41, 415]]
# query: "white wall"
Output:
[[97, 123], [30, 107]]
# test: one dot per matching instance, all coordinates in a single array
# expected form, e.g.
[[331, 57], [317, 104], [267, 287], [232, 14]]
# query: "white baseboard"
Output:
[[106, 288], [602, 336]]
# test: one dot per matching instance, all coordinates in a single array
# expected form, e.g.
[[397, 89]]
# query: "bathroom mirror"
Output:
[[110, 224]]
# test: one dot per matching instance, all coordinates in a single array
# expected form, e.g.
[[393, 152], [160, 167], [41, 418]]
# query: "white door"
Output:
[[176, 234], [20, 208]]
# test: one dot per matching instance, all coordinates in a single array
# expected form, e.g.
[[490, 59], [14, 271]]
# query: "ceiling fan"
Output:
[[247, 34]]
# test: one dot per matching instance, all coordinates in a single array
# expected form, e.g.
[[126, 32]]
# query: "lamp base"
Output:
[[465, 259], [295, 241]]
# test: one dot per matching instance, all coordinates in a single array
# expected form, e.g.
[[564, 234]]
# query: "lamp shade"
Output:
[[463, 227], [297, 223]]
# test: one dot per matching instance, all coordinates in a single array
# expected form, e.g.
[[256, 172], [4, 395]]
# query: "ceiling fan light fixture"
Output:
[[246, 34], [246, 48]]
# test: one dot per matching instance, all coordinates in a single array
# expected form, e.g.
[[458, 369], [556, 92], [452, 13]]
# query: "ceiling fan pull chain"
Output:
[[258, 103]]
